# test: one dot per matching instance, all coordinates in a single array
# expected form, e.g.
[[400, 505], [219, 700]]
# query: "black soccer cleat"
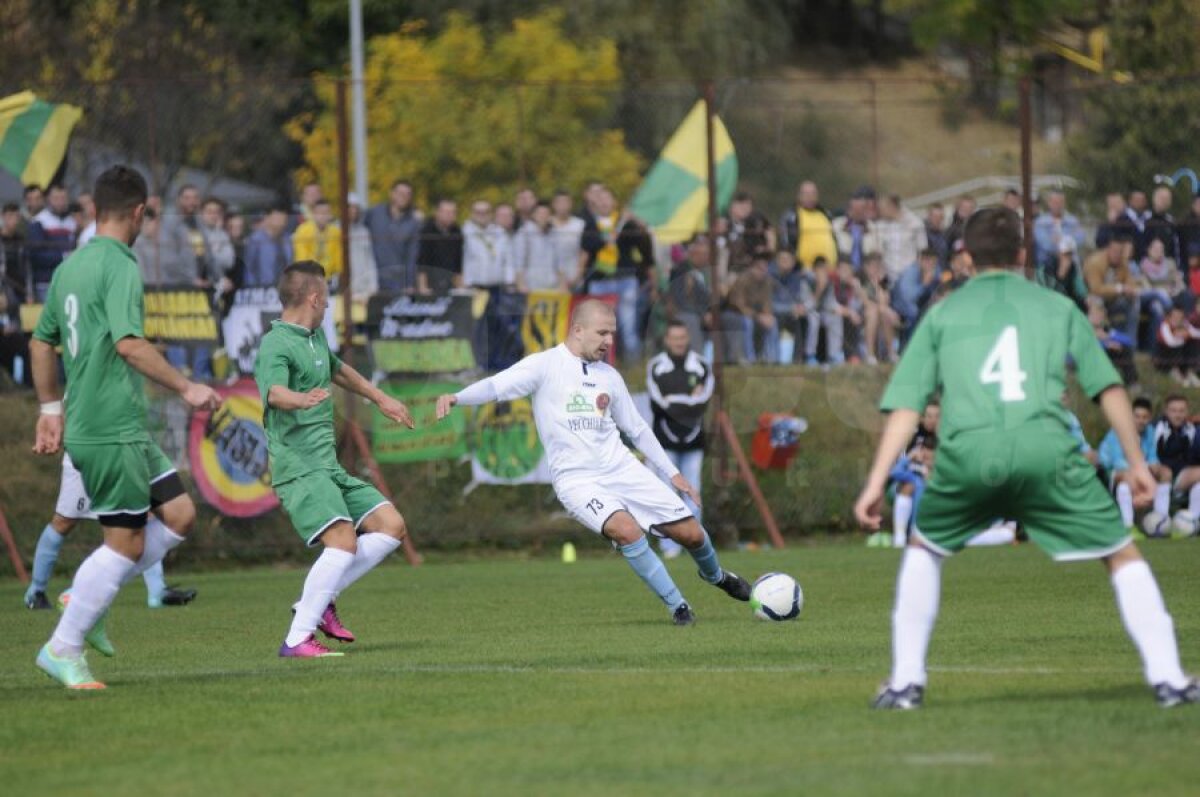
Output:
[[683, 615], [1169, 697], [174, 596], [38, 600], [734, 586], [906, 699]]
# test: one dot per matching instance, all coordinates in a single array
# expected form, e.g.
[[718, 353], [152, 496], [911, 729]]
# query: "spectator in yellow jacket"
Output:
[[320, 239]]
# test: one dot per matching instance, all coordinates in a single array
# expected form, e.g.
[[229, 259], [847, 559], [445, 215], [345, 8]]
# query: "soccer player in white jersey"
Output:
[[580, 407], [74, 505]]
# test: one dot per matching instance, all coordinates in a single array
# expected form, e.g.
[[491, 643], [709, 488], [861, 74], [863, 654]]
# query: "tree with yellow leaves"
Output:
[[465, 115]]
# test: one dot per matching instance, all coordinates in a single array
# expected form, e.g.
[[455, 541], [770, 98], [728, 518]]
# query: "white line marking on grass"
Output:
[[950, 759]]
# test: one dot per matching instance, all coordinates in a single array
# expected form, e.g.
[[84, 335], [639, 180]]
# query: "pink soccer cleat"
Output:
[[331, 626], [308, 649]]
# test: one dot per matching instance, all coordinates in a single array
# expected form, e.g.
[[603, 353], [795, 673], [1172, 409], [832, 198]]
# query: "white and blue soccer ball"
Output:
[[777, 597], [1183, 523], [1156, 524]]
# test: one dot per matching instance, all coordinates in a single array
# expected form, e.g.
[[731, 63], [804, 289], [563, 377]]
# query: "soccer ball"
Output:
[[776, 596], [1183, 523], [1156, 524]]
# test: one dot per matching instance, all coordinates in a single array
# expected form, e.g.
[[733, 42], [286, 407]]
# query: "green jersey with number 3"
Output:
[[997, 349], [95, 300]]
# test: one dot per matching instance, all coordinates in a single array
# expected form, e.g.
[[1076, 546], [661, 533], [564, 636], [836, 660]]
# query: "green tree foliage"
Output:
[[990, 33], [1139, 129], [445, 111], [158, 81]]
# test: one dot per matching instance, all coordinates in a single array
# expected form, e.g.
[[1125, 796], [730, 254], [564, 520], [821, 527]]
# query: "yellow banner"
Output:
[[545, 323]]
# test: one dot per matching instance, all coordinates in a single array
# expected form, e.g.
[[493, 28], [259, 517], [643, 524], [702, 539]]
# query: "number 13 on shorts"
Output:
[[1002, 366]]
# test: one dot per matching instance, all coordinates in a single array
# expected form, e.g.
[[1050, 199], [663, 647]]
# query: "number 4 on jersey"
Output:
[[1002, 366]]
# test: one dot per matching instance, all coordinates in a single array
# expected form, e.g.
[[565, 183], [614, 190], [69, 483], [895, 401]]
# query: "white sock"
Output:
[[918, 589], [373, 548], [1194, 500], [1146, 619], [1162, 500], [159, 541], [320, 588], [902, 511], [1002, 534], [1125, 503], [97, 582]]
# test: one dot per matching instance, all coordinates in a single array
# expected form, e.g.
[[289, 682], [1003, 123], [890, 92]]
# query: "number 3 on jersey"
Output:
[[71, 311], [1002, 366]]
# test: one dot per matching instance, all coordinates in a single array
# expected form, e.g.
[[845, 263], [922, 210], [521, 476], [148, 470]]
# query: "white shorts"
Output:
[[633, 488], [73, 501]]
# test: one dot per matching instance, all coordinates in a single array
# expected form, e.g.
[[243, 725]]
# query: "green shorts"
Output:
[[317, 500], [1033, 475], [118, 476]]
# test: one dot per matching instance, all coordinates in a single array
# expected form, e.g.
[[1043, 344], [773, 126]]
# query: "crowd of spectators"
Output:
[[817, 287]]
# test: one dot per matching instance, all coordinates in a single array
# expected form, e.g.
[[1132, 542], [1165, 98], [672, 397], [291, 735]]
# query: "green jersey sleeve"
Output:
[[123, 303], [1093, 369], [48, 328], [271, 367], [916, 377], [335, 364]]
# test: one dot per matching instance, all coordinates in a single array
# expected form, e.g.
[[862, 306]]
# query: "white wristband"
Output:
[[52, 408]]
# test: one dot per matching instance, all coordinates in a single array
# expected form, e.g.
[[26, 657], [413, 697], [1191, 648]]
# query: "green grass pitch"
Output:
[[502, 676]]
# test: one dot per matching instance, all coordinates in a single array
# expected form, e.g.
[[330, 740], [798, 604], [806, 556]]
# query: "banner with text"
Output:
[[421, 334], [431, 439], [250, 318], [176, 316], [228, 453]]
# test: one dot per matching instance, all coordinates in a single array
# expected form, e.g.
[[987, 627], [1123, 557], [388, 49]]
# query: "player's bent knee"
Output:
[[128, 542], [63, 525], [178, 514], [1127, 555], [622, 529], [687, 533], [386, 519], [341, 536], [905, 489]]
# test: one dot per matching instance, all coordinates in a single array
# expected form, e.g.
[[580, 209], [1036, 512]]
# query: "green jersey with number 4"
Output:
[[997, 349], [95, 300]]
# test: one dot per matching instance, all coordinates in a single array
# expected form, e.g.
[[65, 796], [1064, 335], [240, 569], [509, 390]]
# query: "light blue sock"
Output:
[[706, 559], [156, 582], [44, 558], [645, 563]]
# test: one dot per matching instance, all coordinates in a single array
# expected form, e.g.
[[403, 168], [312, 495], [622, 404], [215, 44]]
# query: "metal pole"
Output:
[[360, 102], [344, 214], [1026, 120], [714, 283], [874, 134]]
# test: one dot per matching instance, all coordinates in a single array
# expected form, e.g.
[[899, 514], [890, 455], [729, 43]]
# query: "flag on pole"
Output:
[[33, 136], [673, 199]]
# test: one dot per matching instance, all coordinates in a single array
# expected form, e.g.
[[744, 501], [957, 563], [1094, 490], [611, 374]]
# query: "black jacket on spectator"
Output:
[[1177, 448], [687, 290], [1161, 227], [635, 250], [1123, 226], [14, 266], [677, 404], [440, 256]]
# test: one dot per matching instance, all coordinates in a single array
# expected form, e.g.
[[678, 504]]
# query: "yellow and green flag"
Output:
[[33, 136], [673, 199]]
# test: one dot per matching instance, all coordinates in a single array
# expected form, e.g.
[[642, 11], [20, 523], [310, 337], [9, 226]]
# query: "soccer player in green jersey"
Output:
[[357, 526], [94, 310], [997, 350]]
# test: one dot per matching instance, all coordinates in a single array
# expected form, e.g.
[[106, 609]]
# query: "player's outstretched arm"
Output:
[[349, 379], [281, 398], [512, 383], [144, 358], [1114, 403], [899, 429], [49, 431]]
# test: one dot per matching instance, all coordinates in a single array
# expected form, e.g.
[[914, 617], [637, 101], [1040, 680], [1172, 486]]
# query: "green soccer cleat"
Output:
[[98, 636], [70, 671]]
